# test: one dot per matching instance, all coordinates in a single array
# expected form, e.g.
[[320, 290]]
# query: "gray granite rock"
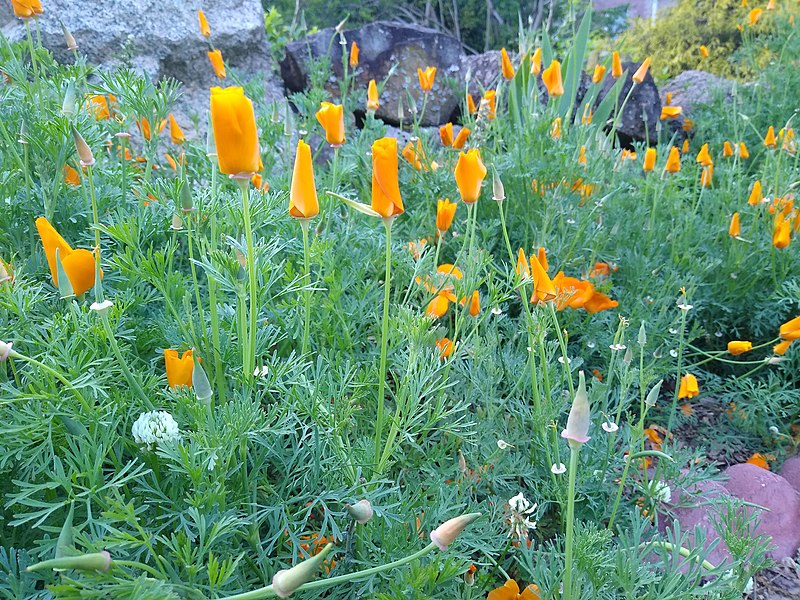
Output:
[[693, 88]]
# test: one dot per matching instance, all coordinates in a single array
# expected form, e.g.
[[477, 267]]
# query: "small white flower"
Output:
[[734, 275], [673, 353], [662, 492], [673, 331], [570, 221], [774, 430], [617, 347], [504, 445], [519, 521], [261, 372], [685, 307], [101, 306], [590, 344], [561, 360], [719, 334], [212, 460], [529, 348], [609, 427], [155, 427], [558, 468], [497, 310]]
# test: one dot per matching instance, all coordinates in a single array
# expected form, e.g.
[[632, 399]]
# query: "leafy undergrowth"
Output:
[[204, 476]]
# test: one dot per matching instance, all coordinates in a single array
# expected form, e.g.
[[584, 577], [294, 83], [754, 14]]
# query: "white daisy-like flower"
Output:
[[558, 468], [617, 347], [609, 427], [504, 445], [101, 306], [519, 521], [155, 427]]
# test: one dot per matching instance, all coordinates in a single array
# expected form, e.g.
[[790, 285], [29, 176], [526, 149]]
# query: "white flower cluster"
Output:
[[520, 522], [155, 427]]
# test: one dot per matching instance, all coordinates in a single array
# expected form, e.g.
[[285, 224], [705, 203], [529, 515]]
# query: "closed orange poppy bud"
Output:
[[470, 173], [685, 147], [781, 348], [71, 176], [689, 387], [98, 104], [536, 62], [739, 347], [426, 78], [641, 72], [205, 29], [415, 155], [555, 129], [446, 135], [79, 265], [505, 65], [372, 96], [445, 347], [445, 213], [790, 330], [707, 176], [471, 108], [754, 16], [670, 112], [258, 182], [673, 161], [303, 202], [215, 56], [649, 160], [703, 51], [437, 308], [175, 131], [704, 157], [235, 135], [544, 290], [743, 153], [171, 162], [782, 233], [523, 266], [769, 140], [179, 369], [599, 72], [461, 138], [734, 230], [582, 156], [586, 117], [542, 257], [755, 194], [489, 104], [727, 149], [386, 200], [23, 9], [551, 77], [331, 117], [475, 304], [616, 65], [354, 50], [668, 99]]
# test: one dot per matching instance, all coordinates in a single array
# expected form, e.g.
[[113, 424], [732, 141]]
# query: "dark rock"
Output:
[[640, 117], [483, 71], [693, 88], [385, 46], [781, 520]]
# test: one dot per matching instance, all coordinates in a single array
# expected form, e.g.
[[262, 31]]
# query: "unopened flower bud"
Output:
[[187, 205], [68, 105], [177, 222], [576, 432], [84, 152], [68, 38], [446, 533], [5, 273], [641, 339], [98, 561], [64, 285], [652, 396], [498, 191], [6, 352], [200, 384], [286, 581], [361, 511], [628, 357]]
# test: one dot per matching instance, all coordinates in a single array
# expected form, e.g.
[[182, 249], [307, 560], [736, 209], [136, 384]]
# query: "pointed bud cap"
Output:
[[84, 152], [187, 205], [6, 352], [68, 38], [579, 418], [446, 533], [98, 561], [641, 339], [64, 284], [286, 581], [200, 384], [68, 105], [498, 191], [361, 511], [652, 395]]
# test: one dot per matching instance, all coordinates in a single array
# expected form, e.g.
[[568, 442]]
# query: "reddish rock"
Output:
[[791, 471], [781, 520]]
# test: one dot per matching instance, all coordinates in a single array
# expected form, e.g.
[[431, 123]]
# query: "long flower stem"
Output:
[[321, 584], [304, 225], [249, 347], [95, 216], [574, 449], [33, 53], [219, 373], [384, 340], [55, 374]]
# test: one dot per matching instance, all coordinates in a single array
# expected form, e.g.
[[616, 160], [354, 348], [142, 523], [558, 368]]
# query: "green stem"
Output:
[[123, 364], [681, 550], [304, 225], [249, 347], [219, 373], [384, 339], [95, 216], [57, 375], [574, 449], [33, 54]]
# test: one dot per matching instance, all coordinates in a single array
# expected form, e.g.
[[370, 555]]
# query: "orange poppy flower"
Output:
[[303, 203], [542, 256], [599, 302], [461, 138], [759, 460], [703, 51], [471, 108], [446, 135], [616, 65], [179, 369], [671, 112], [510, 591], [727, 149], [426, 78], [599, 72], [489, 104], [505, 65], [738, 347], [235, 134], [707, 176], [790, 330], [217, 63], [704, 157], [71, 176], [205, 29], [641, 72], [544, 290], [688, 387], [649, 160], [445, 212], [755, 194], [673, 161], [782, 232], [331, 117], [555, 129], [445, 347], [175, 131], [386, 200], [769, 140], [551, 77], [79, 265], [354, 50], [743, 153], [734, 229], [470, 173], [373, 103], [536, 62]]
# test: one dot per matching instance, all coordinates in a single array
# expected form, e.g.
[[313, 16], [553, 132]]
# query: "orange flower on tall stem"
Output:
[[536, 62], [673, 161], [641, 72], [551, 77], [386, 200], [770, 141], [235, 135], [489, 105], [354, 50], [373, 103], [470, 173], [738, 347], [505, 65], [205, 28], [179, 369], [331, 117], [734, 229], [445, 347], [598, 74], [426, 78], [79, 265], [217, 63], [754, 199], [445, 213], [689, 387], [782, 232], [461, 138], [616, 65], [175, 131], [510, 591], [303, 203], [649, 160], [71, 176]]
